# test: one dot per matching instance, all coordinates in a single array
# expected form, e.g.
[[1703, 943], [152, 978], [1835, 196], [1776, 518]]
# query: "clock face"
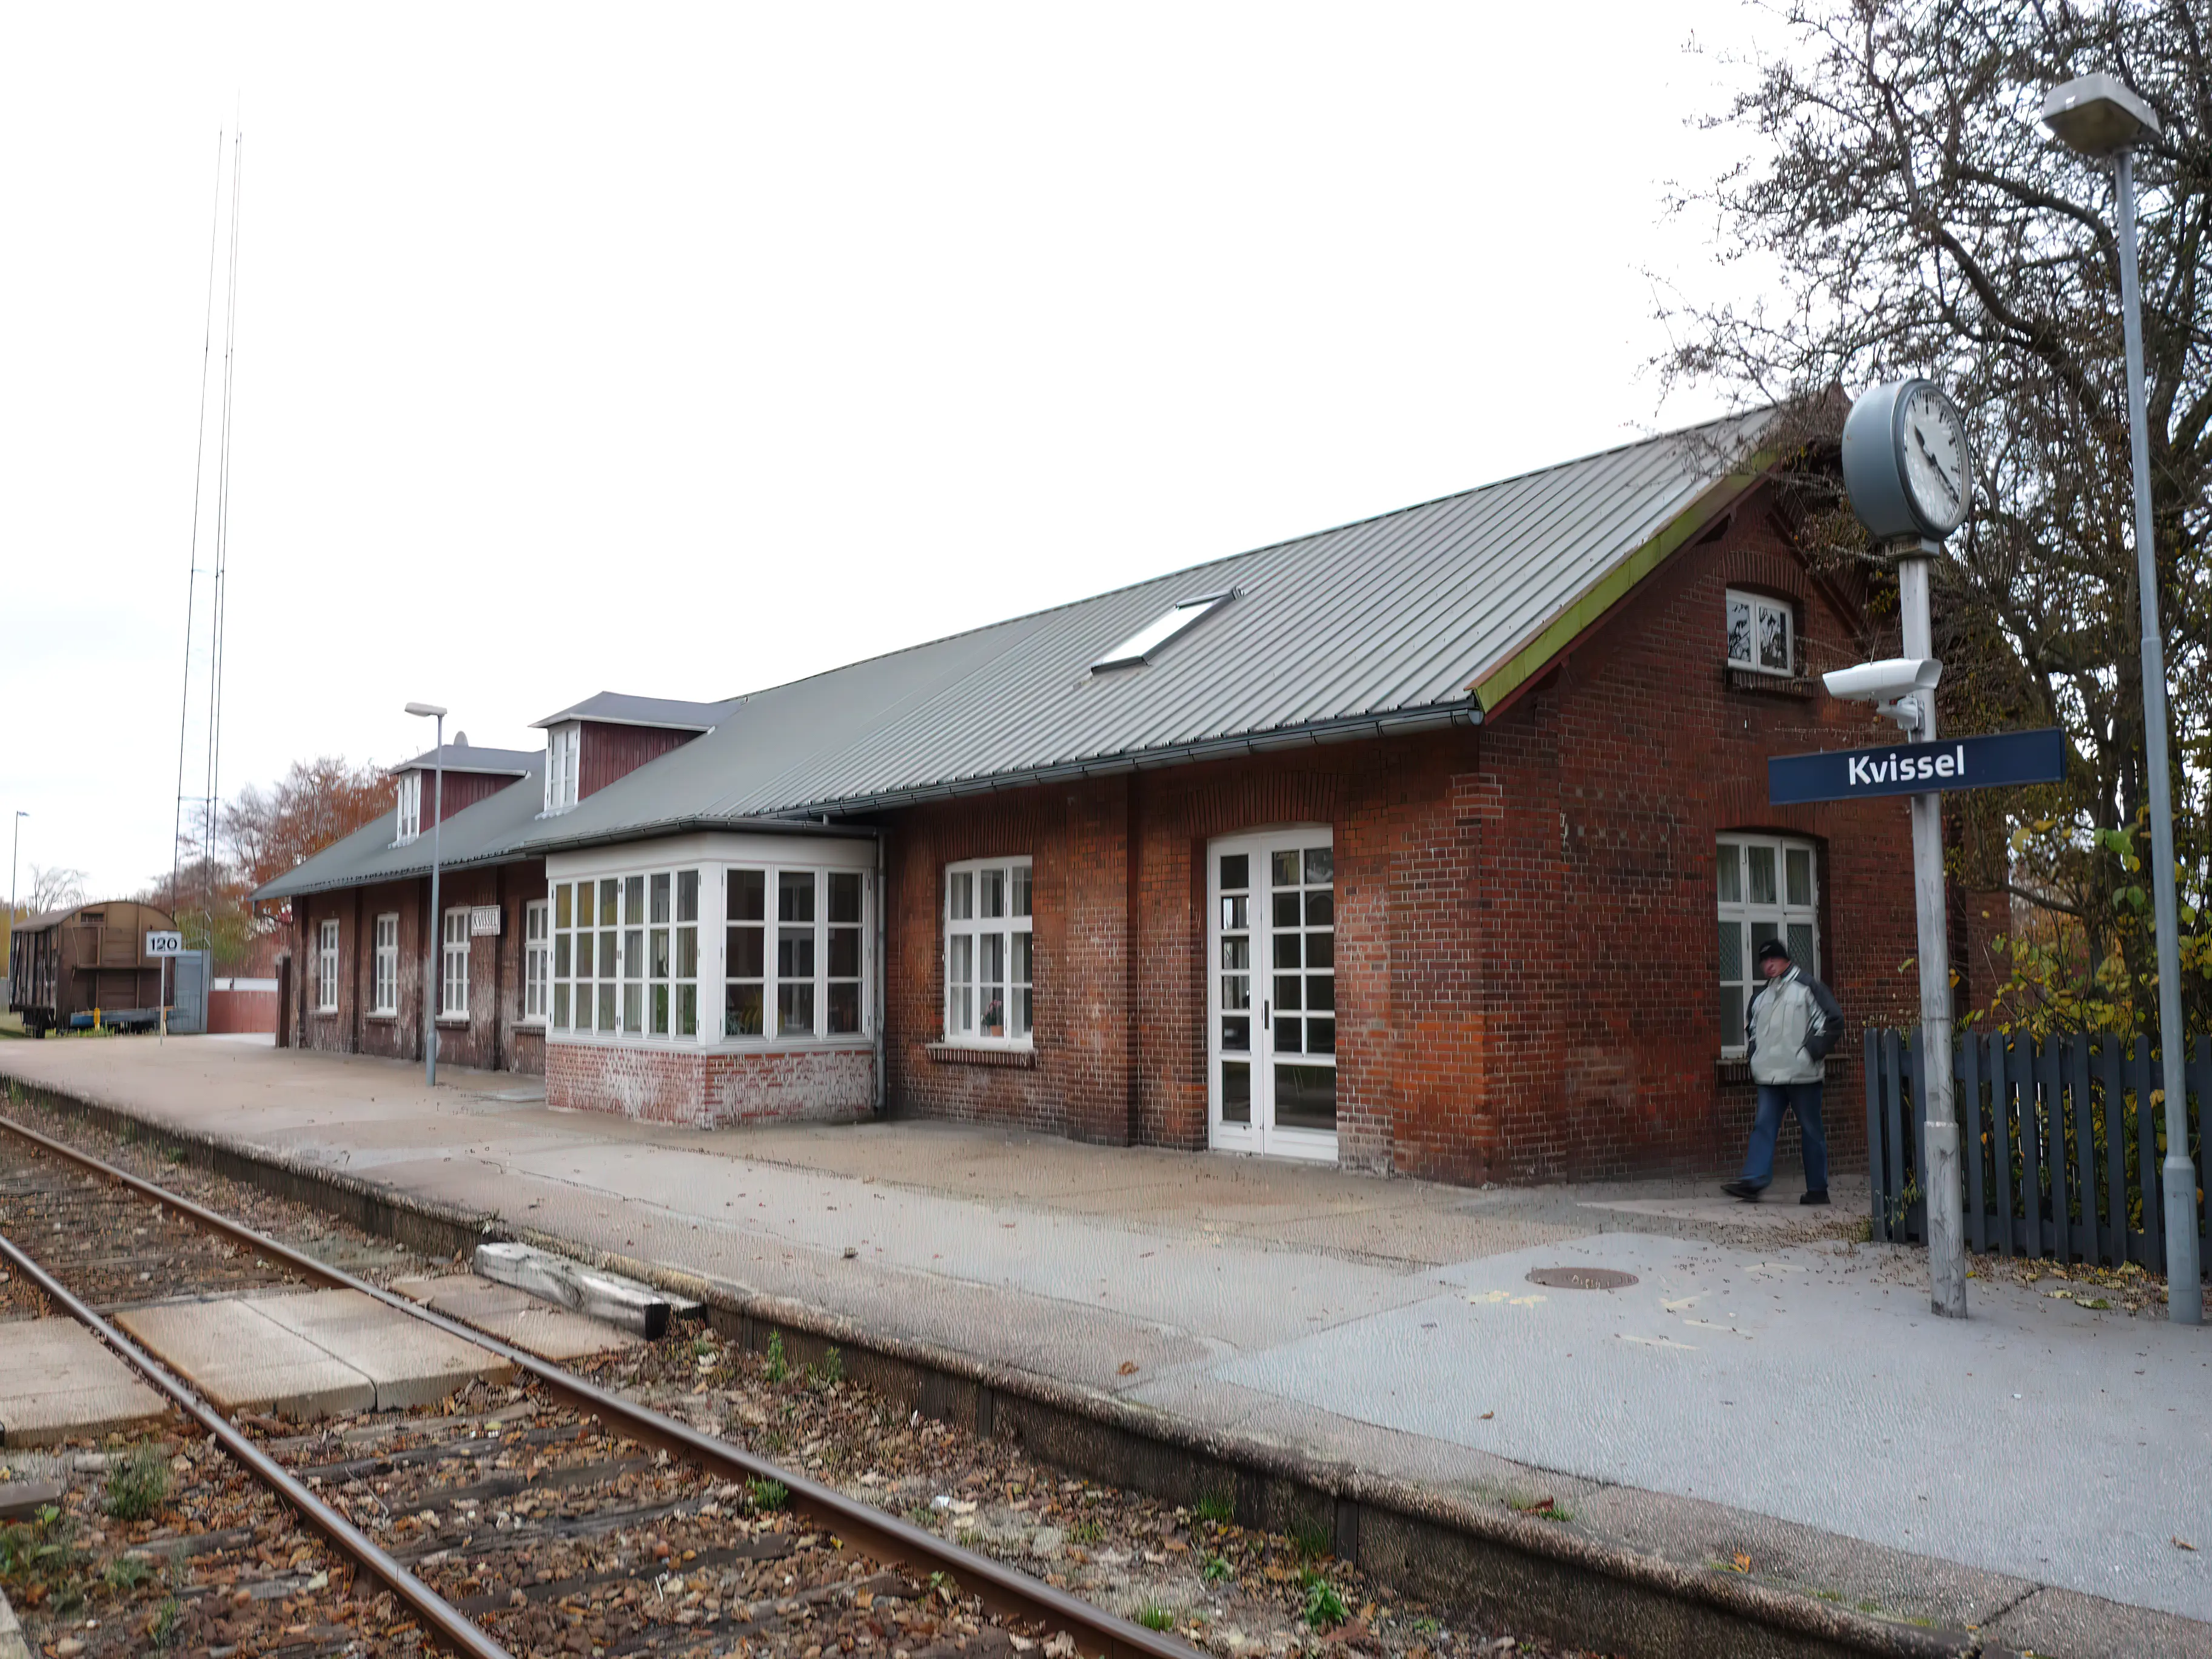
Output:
[[1938, 466]]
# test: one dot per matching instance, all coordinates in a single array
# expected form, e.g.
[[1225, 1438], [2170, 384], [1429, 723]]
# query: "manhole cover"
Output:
[[1582, 1279]]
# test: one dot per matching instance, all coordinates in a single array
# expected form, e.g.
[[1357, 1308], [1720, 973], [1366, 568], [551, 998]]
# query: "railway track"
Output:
[[541, 1516]]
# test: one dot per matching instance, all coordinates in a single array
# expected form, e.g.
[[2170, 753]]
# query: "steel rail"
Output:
[[447, 1625], [1006, 1590]]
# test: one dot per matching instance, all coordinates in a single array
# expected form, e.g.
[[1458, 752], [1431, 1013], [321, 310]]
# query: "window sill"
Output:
[[325, 1013], [1731, 1068], [453, 1021], [389, 1017], [1799, 686], [537, 1025], [966, 1054]]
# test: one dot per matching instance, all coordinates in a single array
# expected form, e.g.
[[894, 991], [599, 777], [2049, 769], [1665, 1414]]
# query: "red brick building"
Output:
[[1436, 843]]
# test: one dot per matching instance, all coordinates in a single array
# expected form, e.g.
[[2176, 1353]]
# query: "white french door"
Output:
[[1271, 993]]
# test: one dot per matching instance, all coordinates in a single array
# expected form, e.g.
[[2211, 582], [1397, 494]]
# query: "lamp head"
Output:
[[427, 710], [2096, 114]]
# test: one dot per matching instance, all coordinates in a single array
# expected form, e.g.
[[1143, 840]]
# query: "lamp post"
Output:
[[433, 934], [2097, 116]]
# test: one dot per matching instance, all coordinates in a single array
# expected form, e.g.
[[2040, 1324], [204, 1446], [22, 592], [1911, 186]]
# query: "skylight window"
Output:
[[1155, 635]]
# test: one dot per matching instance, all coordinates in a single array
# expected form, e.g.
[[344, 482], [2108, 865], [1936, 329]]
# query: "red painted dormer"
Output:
[[471, 774], [609, 736]]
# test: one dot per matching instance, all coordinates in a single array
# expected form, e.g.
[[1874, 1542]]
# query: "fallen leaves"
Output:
[[1127, 1367]]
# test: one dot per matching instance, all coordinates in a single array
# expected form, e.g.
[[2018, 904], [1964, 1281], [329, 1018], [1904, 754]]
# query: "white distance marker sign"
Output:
[[164, 945]]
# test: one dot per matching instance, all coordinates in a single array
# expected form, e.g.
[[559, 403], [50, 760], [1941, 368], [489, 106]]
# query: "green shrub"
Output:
[[768, 1494], [138, 1485]]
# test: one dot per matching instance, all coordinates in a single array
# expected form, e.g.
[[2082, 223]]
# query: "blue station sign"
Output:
[[1918, 769]]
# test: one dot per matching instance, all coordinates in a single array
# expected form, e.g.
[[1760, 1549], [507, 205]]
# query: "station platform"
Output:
[[1768, 1392]]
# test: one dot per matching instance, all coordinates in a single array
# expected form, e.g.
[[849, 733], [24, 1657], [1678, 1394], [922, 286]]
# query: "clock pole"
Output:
[[1910, 476], [1947, 1236]]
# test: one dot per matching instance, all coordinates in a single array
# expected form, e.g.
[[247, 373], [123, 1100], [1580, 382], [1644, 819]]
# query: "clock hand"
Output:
[[1949, 482]]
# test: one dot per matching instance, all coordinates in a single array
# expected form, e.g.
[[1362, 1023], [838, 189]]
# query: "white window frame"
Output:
[[536, 959], [1757, 607], [645, 941], [453, 965], [326, 967], [563, 746], [383, 992], [970, 923], [1755, 919], [411, 807], [833, 942]]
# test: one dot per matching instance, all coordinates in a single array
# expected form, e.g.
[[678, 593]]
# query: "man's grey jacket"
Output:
[[1791, 1024]]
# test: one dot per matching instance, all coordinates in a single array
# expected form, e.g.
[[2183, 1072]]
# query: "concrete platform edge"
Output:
[[1571, 1588]]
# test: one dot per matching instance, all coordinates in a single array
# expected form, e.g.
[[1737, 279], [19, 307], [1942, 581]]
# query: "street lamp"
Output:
[[2097, 116], [431, 711]]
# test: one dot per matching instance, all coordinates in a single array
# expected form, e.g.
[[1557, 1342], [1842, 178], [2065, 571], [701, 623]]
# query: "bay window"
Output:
[[805, 981], [988, 972], [625, 954]]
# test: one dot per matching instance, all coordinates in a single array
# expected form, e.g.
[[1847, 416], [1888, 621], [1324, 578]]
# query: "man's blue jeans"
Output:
[[1804, 1099]]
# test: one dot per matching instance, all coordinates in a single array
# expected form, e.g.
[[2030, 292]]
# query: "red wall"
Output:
[[492, 1037], [1527, 980], [235, 1011], [605, 753]]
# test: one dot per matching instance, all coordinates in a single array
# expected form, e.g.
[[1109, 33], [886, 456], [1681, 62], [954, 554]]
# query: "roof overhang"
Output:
[[1526, 661]]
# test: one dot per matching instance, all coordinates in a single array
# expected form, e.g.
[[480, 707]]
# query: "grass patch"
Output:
[[138, 1485], [1311, 1538], [767, 1494], [776, 1367], [161, 1628], [1218, 1508], [1153, 1616], [830, 1371], [126, 1572], [1215, 1569], [1086, 1532], [1324, 1609]]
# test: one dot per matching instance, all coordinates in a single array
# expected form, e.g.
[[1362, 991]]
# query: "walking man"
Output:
[[1789, 1027]]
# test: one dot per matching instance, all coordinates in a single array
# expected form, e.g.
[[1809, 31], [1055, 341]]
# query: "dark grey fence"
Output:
[[2061, 1141]]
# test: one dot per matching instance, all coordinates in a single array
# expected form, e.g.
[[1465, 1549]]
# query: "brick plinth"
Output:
[[712, 1090]]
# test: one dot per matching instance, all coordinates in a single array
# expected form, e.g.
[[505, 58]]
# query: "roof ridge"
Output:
[[1255, 552]]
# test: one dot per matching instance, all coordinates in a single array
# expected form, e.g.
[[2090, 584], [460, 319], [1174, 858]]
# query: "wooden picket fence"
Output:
[[2061, 1159]]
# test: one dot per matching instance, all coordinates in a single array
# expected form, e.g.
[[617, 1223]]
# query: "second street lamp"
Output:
[[433, 936], [2098, 116]]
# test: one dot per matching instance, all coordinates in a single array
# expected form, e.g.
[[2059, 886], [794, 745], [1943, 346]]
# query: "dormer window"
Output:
[[1760, 633], [562, 745], [411, 807]]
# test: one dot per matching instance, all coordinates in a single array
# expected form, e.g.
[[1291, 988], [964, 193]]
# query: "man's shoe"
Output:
[[1818, 1195], [1743, 1189]]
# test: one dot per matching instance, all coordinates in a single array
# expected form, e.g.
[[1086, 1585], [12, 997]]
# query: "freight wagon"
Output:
[[70, 970]]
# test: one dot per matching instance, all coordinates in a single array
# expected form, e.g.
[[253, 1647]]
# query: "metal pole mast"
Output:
[[2184, 1300], [1946, 1234], [433, 984]]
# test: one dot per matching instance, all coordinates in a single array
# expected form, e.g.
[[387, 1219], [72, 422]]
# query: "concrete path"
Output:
[[1767, 1389]]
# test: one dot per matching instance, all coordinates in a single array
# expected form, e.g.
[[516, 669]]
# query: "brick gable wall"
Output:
[[1528, 971]]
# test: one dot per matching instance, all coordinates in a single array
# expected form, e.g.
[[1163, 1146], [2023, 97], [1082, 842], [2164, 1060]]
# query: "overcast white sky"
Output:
[[682, 350]]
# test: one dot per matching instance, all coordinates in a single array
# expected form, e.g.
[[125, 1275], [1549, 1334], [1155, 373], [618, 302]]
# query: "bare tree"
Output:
[[1919, 220], [54, 887]]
